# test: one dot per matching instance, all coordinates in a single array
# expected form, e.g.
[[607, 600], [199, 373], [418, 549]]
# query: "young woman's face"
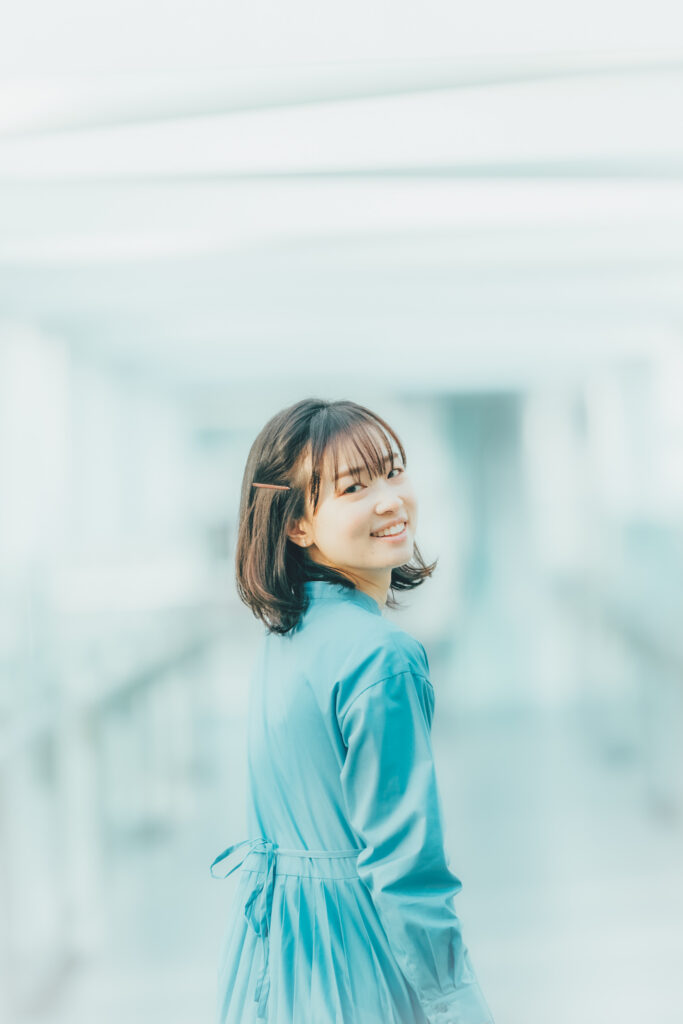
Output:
[[343, 531]]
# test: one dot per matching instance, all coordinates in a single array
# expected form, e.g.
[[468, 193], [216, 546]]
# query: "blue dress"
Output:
[[343, 912]]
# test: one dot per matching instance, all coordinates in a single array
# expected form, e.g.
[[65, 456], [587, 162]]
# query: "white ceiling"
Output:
[[41, 37], [449, 204]]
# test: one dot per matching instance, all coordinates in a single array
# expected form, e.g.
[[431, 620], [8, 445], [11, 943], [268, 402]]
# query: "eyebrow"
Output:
[[357, 469]]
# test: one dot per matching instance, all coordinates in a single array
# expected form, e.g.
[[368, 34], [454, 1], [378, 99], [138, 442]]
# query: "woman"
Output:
[[344, 912]]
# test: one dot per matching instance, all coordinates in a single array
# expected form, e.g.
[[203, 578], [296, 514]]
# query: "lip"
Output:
[[395, 522]]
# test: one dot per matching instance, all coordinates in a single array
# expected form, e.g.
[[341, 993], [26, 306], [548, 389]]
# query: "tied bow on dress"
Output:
[[258, 907]]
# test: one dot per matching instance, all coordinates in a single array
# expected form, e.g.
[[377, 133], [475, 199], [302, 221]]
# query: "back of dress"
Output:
[[343, 913]]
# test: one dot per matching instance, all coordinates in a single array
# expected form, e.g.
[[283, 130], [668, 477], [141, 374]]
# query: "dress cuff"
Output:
[[464, 1005]]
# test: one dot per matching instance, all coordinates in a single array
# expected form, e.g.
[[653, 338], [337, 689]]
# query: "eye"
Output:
[[396, 469]]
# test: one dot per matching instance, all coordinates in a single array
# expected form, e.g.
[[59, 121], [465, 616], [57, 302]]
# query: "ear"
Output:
[[298, 533]]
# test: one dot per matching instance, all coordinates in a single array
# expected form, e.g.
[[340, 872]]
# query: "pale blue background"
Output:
[[471, 223]]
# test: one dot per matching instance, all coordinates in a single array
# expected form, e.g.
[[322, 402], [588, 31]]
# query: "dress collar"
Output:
[[325, 590]]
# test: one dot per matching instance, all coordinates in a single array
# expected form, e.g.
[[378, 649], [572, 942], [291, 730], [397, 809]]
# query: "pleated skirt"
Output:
[[324, 957]]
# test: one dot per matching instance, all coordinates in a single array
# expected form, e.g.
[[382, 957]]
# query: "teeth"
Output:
[[391, 531]]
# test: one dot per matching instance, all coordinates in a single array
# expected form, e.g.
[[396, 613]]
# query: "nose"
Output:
[[388, 498]]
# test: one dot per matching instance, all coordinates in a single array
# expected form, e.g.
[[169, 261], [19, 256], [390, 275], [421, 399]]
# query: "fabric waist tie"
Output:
[[257, 909]]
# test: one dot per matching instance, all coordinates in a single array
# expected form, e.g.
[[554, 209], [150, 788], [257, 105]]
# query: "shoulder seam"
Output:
[[392, 675]]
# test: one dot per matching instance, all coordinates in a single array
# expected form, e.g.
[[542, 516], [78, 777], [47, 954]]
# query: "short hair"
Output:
[[270, 569]]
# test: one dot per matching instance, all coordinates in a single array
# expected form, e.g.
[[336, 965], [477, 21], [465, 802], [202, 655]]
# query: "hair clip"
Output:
[[277, 487]]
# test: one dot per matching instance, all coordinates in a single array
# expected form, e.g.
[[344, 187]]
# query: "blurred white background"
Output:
[[470, 220]]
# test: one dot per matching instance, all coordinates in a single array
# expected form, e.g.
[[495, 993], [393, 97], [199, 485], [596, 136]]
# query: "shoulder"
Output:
[[379, 650], [383, 648]]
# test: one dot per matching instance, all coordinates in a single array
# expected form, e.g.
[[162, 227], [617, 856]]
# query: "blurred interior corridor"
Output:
[[471, 224], [572, 879], [552, 631]]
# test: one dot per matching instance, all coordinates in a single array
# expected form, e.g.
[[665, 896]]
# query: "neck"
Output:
[[376, 587], [374, 582]]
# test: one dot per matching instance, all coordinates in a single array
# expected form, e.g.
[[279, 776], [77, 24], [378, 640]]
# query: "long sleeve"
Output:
[[391, 792]]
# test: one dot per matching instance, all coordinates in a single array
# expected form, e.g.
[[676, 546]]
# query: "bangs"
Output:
[[358, 443]]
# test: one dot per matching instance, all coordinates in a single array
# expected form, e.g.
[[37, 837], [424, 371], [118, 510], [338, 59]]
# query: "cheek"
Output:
[[356, 525], [410, 497], [350, 526], [360, 527], [411, 505]]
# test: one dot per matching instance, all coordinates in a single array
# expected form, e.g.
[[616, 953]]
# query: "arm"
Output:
[[392, 798]]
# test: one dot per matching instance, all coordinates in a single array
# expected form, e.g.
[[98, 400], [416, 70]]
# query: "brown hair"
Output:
[[270, 569]]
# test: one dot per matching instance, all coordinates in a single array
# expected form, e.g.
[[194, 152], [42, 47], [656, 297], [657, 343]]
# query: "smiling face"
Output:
[[352, 509]]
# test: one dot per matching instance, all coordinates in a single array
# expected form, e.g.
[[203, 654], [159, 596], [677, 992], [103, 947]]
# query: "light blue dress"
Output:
[[343, 912]]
